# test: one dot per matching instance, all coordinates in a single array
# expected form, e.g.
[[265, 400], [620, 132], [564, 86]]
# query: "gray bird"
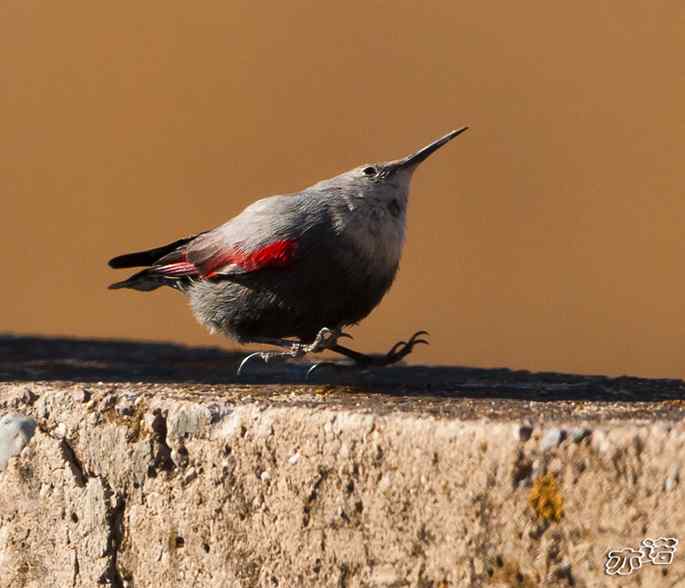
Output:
[[293, 270]]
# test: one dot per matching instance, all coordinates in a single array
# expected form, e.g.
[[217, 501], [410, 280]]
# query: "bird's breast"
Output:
[[375, 229]]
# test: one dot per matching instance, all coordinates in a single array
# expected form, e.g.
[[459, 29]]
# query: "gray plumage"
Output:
[[288, 266]]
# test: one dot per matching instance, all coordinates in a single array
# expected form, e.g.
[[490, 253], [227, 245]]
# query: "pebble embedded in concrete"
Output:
[[15, 433], [552, 438], [81, 395], [190, 475], [579, 433], [523, 432]]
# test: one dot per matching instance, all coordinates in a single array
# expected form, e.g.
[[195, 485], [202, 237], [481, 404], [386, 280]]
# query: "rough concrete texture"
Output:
[[437, 482]]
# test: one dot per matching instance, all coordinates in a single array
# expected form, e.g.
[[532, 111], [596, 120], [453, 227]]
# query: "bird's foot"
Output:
[[325, 339], [362, 361], [400, 350], [265, 356]]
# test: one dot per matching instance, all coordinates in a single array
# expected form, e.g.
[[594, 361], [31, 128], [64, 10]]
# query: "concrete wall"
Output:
[[133, 485]]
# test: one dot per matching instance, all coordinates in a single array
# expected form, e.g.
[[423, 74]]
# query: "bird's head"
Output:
[[386, 180]]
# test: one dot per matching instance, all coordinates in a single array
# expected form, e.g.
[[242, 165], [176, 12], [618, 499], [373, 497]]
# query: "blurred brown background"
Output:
[[548, 237]]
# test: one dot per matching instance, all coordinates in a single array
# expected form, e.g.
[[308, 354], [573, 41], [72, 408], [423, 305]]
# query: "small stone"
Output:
[[294, 459], [265, 476], [27, 396], [673, 479], [579, 433], [478, 566], [180, 456], [15, 433], [149, 421], [125, 406], [523, 432], [82, 395], [600, 442], [386, 482], [60, 431], [231, 426], [190, 475], [216, 413], [552, 438]]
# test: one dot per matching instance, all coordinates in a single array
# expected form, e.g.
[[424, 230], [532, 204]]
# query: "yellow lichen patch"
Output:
[[545, 500], [133, 422], [323, 390]]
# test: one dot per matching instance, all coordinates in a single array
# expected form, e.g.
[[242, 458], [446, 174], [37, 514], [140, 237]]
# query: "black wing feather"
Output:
[[149, 257]]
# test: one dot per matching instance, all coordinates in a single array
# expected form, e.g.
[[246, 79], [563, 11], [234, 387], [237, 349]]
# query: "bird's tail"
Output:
[[144, 281], [149, 256], [167, 267]]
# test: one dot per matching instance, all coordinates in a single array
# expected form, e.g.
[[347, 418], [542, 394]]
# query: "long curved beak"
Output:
[[411, 161]]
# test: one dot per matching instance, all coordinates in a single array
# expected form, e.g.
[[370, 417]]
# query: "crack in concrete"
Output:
[[115, 517], [312, 496], [115, 536], [162, 460], [77, 568], [77, 469]]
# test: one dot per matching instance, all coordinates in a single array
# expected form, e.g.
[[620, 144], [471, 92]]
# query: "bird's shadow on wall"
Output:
[[36, 359]]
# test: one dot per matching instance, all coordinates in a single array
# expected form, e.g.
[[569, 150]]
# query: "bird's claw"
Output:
[[403, 348], [398, 352], [249, 358], [318, 366], [295, 351]]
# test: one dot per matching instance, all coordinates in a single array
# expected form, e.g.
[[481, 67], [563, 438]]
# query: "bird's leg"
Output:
[[267, 356], [362, 361], [287, 343], [325, 339]]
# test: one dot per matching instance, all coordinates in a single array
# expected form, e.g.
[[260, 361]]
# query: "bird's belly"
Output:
[[279, 303], [356, 300]]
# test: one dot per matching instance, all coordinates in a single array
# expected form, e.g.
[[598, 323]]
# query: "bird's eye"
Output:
[[370, 171]]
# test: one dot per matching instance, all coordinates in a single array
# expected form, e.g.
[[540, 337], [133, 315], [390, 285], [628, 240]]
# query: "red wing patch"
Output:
[[276, 254]]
